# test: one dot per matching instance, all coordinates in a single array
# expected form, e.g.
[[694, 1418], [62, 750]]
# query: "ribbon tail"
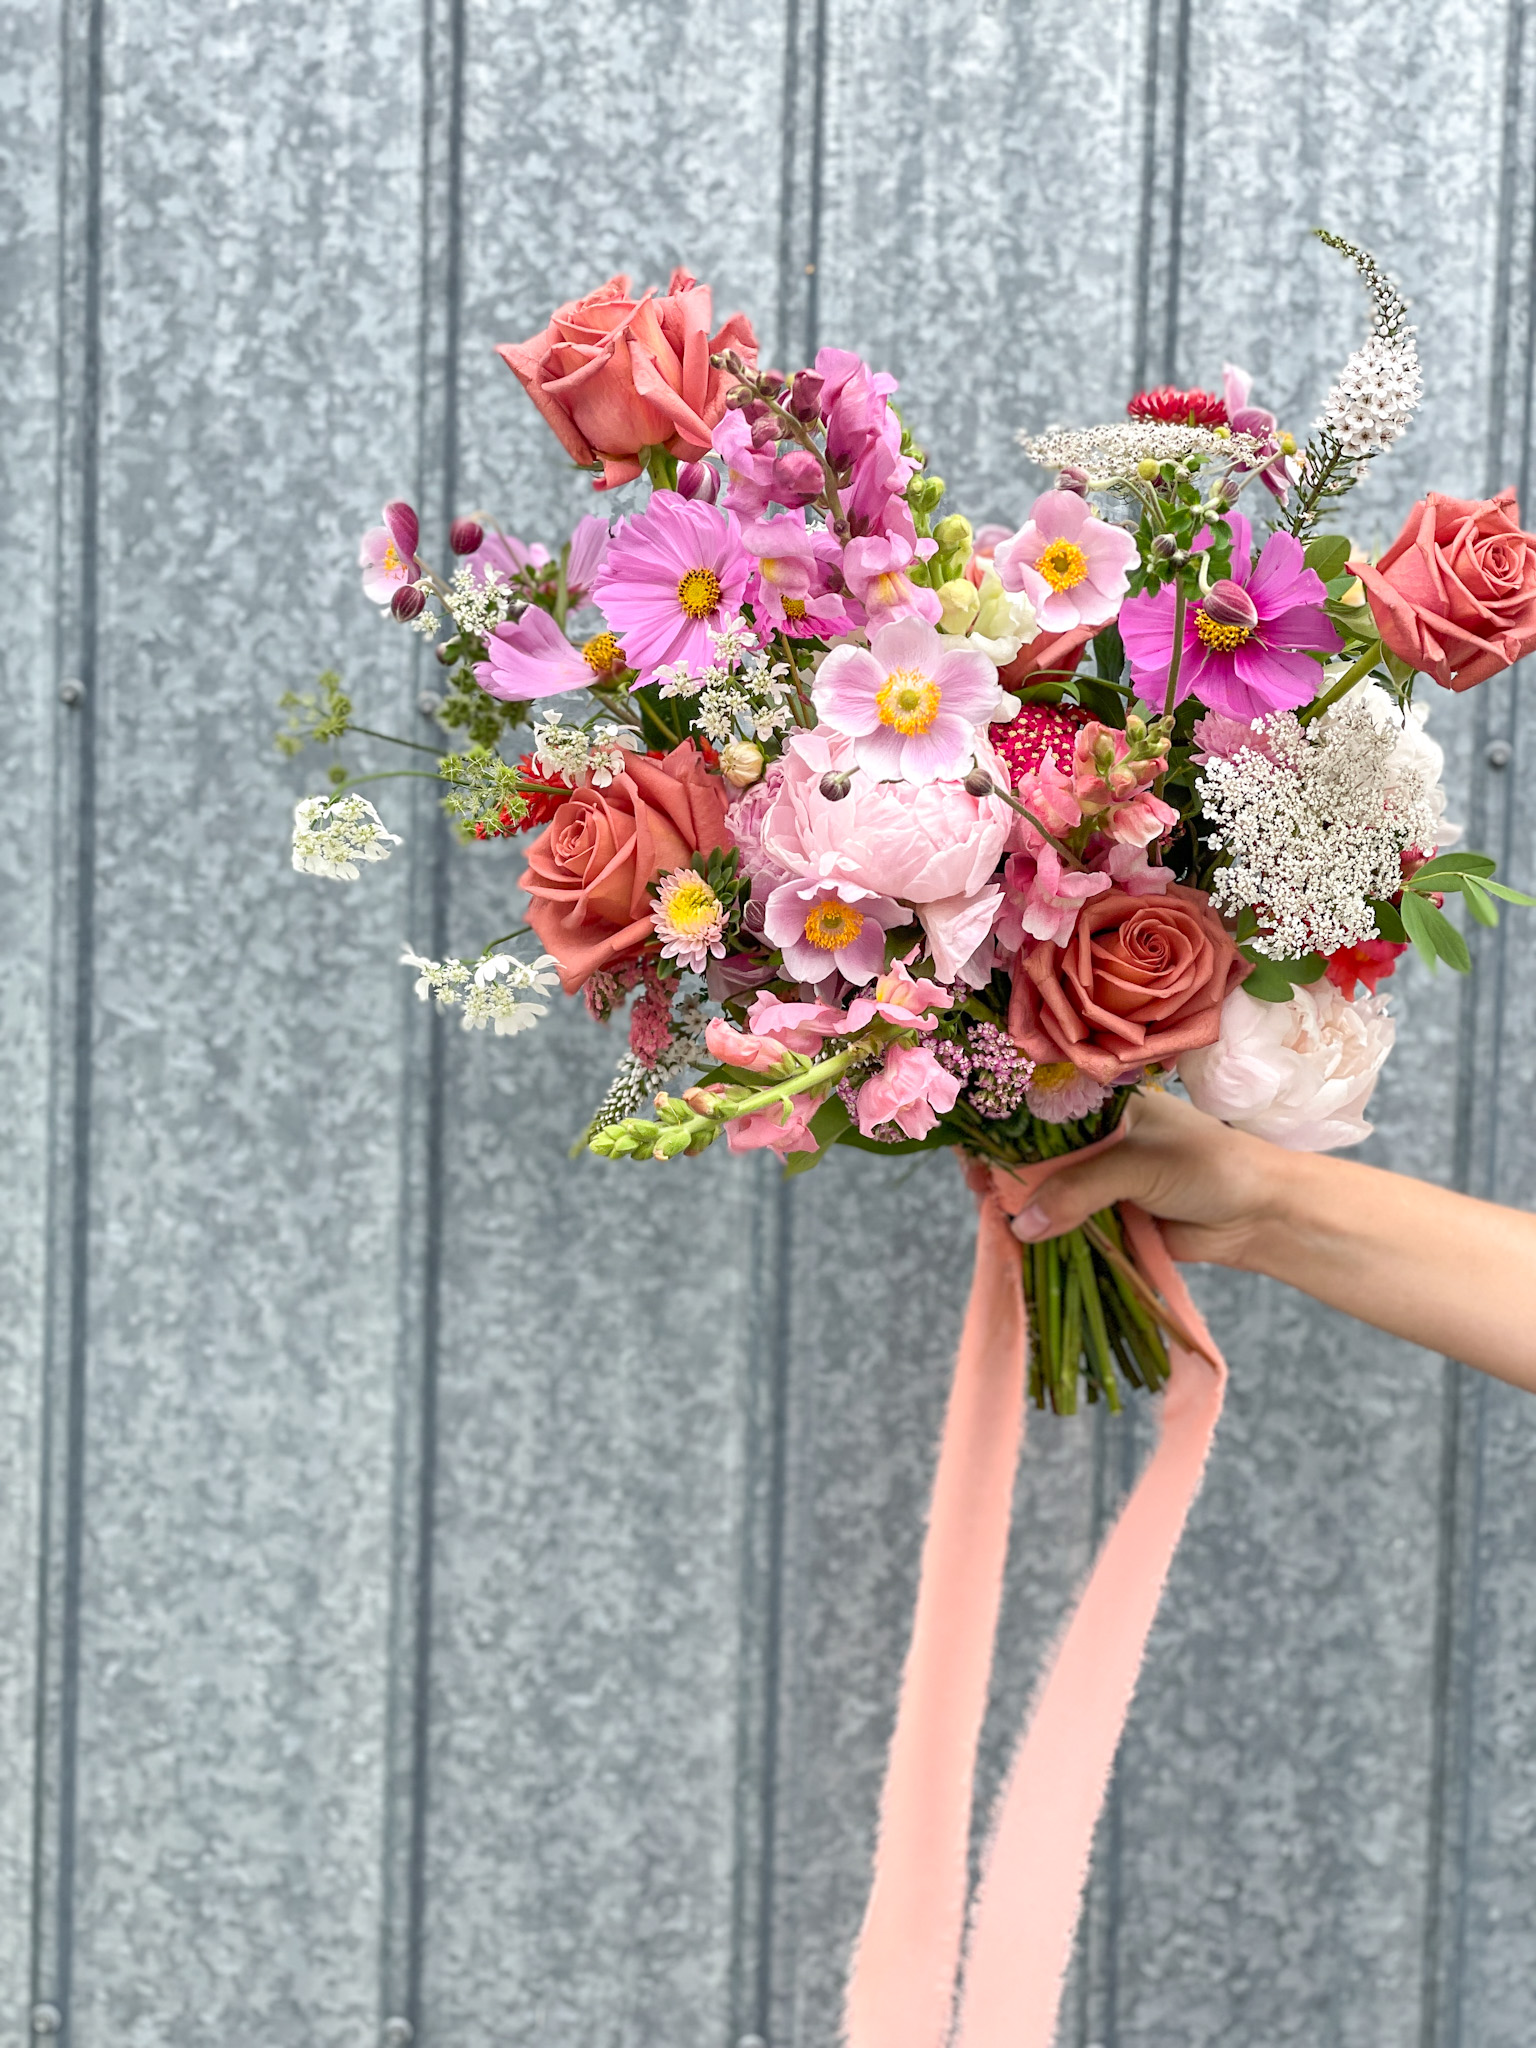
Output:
[[1037, 1864], [901, 1988]]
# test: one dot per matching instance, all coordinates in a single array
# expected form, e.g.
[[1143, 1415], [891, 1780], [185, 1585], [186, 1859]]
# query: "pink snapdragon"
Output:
[[876, 570], [1042, 897], [864, 437], [959, 934], [1074, 568], [1131, 871], [913, 702], [801, 1027], [757, 477], [783, 1127], [1260, 426], [790, 588], [822, 926], [900, 998], [754, 1052], [911, 1091]]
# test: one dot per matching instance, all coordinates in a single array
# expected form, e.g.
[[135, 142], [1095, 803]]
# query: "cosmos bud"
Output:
[[698, 481], [465, 536]]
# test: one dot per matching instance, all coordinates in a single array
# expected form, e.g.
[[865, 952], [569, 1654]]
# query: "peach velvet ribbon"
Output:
[[901, 1991]]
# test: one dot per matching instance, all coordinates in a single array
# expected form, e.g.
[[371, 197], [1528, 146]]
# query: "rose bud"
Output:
[[805, 395], [407, 602], [404, 529], [465, 536], [697, 480], [742, 763]]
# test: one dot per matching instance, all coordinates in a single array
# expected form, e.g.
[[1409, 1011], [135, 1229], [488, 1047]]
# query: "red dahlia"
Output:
[[1179, 408]]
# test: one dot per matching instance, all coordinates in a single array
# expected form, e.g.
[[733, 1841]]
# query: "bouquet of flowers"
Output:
[[898, 833]]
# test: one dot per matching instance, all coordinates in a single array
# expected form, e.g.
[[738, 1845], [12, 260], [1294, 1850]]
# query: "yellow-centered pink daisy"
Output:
[[912, 702]]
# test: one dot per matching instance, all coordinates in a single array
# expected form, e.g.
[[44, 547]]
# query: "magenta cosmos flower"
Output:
[[912, 702], [1073, 568], [672, 573], [1248, 644], [819, 926]]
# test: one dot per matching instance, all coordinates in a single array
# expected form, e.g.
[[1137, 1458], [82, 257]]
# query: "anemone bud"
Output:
[[407, 602], [1227, 604], [404, 528], [698, 480], [465, 536]]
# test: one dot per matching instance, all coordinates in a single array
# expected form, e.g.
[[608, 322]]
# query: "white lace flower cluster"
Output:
[[479, 600], [578, 754], [495, 991], [1112, 451], [741, 694], [1314, 821], [332, 834], [1379, 388]]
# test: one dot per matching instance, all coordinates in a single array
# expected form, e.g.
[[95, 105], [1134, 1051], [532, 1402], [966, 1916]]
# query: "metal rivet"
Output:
[[47, 2019], [1500, 753], [429, 704], [398, 2033], [71, 691]]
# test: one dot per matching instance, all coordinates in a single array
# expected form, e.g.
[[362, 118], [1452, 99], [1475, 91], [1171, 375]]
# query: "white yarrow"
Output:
[[332, 834]]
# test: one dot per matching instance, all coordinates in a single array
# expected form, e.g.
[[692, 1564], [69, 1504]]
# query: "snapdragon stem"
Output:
[[1177, 654]]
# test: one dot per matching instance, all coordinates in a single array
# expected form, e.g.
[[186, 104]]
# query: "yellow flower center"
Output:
[[909, 701], [794, 607], [693, 907], [1063, 564], [833, 924], [603, 654], [1218, 634], [1054, 1074], [699, 592], [392, 560]]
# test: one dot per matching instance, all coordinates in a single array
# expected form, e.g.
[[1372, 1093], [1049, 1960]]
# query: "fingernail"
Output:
[[1032, 1223]]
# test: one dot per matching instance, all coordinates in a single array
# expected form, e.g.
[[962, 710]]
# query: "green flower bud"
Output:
[[954, 534], [959, 602], [670, 1143]]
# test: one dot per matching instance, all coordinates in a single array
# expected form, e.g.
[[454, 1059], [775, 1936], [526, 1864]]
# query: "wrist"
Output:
[[1273, 1205]]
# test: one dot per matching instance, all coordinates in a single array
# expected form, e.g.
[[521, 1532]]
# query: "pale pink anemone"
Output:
[[822, 926], [876, 571], [387, 554], [790, 589], [915, 704], [1248, 644], [673, 572], [911, 1091], [530, 657], [1073, 568], [506, 556]]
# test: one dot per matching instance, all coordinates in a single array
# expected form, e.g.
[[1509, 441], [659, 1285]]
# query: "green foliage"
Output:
[[1433, 936], [320, 719], [468, 709], [1327, 554], [1275, 981], [483, 790]]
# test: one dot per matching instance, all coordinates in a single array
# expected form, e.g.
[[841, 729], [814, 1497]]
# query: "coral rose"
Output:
[[587, 874], [1455, 594], [1141, 978], [613, 375]]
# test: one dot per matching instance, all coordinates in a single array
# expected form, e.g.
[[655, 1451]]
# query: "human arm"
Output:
[[1421, 1261]]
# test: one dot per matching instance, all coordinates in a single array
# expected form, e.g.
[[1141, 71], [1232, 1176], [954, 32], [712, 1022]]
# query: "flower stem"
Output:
[[1352, 675], [394, 740], [1177, 654]]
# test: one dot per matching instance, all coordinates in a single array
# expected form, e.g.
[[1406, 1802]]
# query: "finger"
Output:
[[1123, 1174]]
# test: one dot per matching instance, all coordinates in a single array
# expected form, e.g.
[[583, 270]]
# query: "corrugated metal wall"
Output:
[[446, 1591]]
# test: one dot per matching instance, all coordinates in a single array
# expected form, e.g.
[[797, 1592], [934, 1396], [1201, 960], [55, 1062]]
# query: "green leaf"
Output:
[[1389, 925], [1109, 654], [1479, 902], [1509, 895], [1433, 935], [1274, 981], [1107, 705], [1459, 863], [1327, 555]]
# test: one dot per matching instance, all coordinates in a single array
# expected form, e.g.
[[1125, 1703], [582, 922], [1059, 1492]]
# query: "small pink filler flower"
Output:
[[912, 702], [1073, 568], [672, 573]]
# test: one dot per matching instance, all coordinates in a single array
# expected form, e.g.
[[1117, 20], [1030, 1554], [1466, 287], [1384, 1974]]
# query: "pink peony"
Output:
[[1041, 897], [784, 1128], [911, 1090], [819, 926], [876, 569], [923, 842], [1298, 1073], [530, 657], [1073, 568], [912, 701], [673, 572]]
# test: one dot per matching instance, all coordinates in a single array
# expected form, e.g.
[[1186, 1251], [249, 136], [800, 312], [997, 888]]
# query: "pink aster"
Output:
[[673, 572], [387, 555], [1248, 644], [911, 1090], [912, 702], [1073, 568], [1061, 1093], [876, 571], [530, 657], [822, 926], [900, 998]]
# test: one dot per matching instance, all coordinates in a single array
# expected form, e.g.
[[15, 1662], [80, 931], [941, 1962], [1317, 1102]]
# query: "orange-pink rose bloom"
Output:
[[613, 375], [587, 873], [1455, 594], [1141, 978]]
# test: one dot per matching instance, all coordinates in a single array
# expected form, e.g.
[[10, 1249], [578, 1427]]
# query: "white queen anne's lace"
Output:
[[1315, 825], [577, 755], [498, 990], [332, 834]]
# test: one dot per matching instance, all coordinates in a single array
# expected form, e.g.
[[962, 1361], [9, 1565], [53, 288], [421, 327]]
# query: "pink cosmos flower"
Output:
[[789, 589], [876, 571], [911, 1090], [756, 478], [1042, 897], [530, 657], [799, 1026], [900, 998], [1073, 568], [819, 926], [387, 554], [785, 1128], [1248, 644], [672, 572], [753, 1051], [911, 702]]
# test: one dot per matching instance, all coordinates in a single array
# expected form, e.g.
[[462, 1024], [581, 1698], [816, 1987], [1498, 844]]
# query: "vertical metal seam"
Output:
[[1181, 35], [788, 129], [814, 194], [1143, 288], [781, 1240]]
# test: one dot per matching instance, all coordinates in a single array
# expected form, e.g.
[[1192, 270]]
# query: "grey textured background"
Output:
[[445, 1586]]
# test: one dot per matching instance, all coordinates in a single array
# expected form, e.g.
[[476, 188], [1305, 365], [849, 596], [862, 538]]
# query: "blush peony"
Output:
[[1298, 1073]]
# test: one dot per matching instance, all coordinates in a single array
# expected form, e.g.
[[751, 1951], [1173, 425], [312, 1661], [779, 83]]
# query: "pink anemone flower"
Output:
[[1073, 568], [822, 926], [530, 657], [387, 556], [913, 702], [672, 573], [1248, 644]]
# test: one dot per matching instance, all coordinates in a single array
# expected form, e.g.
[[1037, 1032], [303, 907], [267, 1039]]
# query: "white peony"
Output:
[[1299, 1073]]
